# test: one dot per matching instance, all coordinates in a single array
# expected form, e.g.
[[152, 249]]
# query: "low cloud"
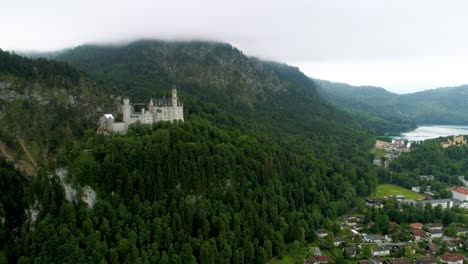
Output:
[[320, 32]]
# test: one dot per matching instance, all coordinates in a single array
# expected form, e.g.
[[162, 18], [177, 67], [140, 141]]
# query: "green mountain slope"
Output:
[[215, 73], [260, 162], [373, 106], [437, 106], [43, 105]]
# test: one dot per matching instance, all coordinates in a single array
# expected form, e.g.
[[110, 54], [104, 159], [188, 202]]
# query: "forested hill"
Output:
[[260, 162], [370, 105], [43, 105], [437, 106], [261, 92]]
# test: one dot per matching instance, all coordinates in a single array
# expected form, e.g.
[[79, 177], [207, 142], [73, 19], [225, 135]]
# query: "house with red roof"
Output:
[[452, 258], [317, 259], [418, 234], [459, 193], [416, 226], [324, 259]]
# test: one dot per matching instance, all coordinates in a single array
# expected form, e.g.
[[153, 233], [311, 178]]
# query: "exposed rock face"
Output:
[[216, 65], [7, 93], [32, 212], [89, 196], [33, 114], [70, 192]]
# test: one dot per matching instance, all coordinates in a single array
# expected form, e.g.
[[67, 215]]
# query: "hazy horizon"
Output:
[[401, 46]]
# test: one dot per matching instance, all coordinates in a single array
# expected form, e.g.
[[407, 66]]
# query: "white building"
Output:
[[459, 193], [435, 233], [444, 203], [381, 251], [158, 109]]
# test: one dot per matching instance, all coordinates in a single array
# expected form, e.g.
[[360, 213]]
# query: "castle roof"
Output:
[[161, 102]]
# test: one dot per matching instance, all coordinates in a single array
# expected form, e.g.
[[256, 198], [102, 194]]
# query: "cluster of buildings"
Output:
[[449, 258], [424, 246], [459, 199], [392, 151], [430, 231], [156, 110]]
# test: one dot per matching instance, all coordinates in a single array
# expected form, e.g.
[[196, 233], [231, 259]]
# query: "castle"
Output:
[[158, 109], [457, 141]]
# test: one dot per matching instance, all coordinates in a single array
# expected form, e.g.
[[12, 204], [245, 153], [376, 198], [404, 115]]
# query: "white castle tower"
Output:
[[126, 109], [174, 97]]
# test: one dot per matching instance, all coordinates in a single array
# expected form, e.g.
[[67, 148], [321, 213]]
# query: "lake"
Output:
[[428, 132]]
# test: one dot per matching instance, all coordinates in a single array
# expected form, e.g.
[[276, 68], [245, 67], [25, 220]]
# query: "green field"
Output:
[[385, 190], [285, 260]]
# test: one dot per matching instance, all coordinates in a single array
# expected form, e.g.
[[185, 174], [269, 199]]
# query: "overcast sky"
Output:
[[401, 45]]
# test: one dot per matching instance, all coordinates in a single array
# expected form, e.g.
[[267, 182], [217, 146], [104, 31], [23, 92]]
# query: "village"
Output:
[[353, 239], [427, 243], [386, 151]]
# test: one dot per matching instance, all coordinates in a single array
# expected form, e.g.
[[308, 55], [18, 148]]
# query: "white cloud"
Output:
[[342, 39], [400, 75]]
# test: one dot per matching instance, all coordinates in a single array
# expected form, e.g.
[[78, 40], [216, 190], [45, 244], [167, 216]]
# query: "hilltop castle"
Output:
[[158, 109], [457, 141]]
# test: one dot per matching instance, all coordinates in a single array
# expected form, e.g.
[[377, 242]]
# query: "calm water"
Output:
[[428, 132]]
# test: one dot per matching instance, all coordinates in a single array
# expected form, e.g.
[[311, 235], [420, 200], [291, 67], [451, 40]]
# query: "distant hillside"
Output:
[[438, 106], [370, 105], [43, 105]]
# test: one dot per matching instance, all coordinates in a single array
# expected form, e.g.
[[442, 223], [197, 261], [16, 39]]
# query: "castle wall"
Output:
[[171, 111], [148, 118], [120, 127]]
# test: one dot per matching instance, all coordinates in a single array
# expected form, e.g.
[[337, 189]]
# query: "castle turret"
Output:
[[151, 106], [174, 96], [126, 109]]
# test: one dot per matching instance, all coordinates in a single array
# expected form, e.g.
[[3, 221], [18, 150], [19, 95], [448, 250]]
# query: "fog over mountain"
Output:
[[400, 45]]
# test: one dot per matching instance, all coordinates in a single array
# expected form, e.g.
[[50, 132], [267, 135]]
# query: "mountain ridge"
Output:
[[439, 106]]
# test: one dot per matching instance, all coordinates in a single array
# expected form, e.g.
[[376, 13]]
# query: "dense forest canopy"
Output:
[[429, 158], [189, 188], [260, 162], [51, 72]]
